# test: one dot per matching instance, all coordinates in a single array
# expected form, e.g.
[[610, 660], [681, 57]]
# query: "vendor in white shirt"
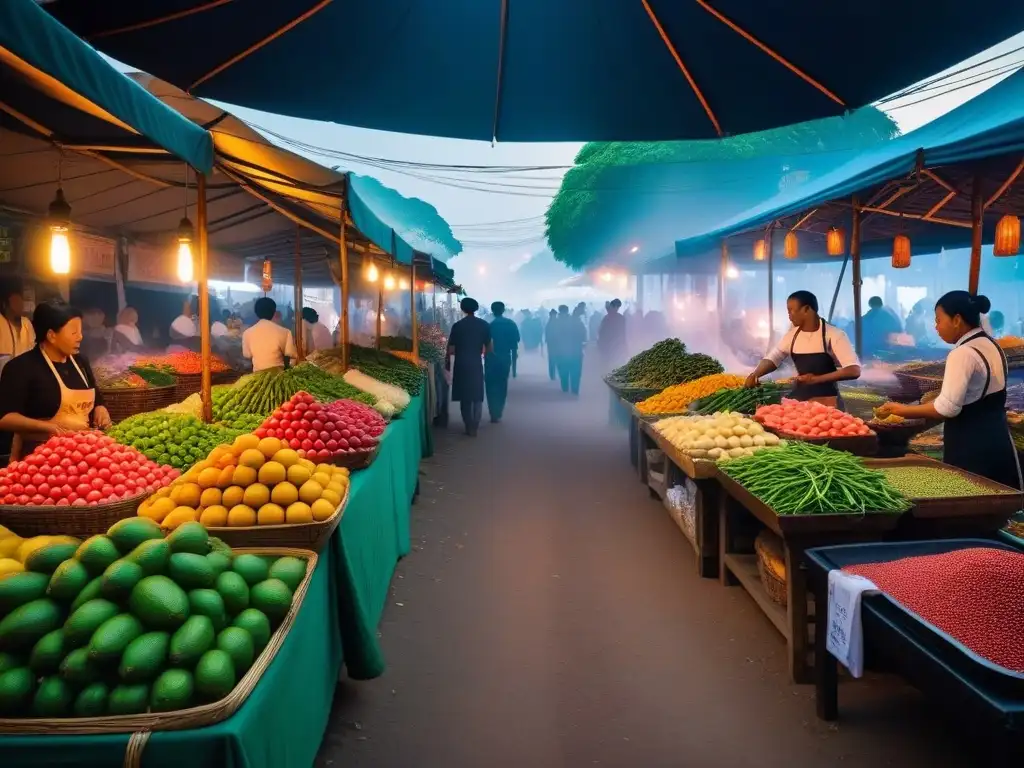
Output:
[[220, 327], [314, 333], [821, 353], [16, 334], [184, 326], [267, 344], [972, 402]]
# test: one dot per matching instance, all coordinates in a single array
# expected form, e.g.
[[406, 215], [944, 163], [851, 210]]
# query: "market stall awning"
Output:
[[533, 70], [918, 171], [54, 85]]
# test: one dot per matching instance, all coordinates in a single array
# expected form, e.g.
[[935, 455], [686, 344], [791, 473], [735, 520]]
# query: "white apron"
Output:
[[72, 414]]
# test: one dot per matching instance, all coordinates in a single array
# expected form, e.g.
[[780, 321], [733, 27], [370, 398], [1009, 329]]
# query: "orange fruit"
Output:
[[241, 515], [256, 496], [208, 477], [272, 473], [243, 476], [227, 460], [244, 443], [158, 509], [270, 514], [310, 491], [322, 478], [268, 446], [188, 495], [225, 477], [179, 516], [232, 495], [322, 509], [332, 496], [214, 516], [284, 494], [251, 458], [298, 513], [298, 474], [210, 497], [286, 457]]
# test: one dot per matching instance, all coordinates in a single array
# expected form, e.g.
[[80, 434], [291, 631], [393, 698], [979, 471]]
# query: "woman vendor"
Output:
[[972, 402], [821, 353], [50, 389]]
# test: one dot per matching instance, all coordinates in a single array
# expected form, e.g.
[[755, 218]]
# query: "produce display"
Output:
[[720, 436], [386, 368], [182, 362], [1015, 397], [933, 483], [433, 342], [678, 397], [110, 376], [396, 396], [264, 391], [132, 621], [740, 400], [408, 357], [15, 553], [973, 595], [665, 364], [178, 440], [805, 479], [322, 432], [81, 469], [1010, 342], [253, 481], [809, 419]]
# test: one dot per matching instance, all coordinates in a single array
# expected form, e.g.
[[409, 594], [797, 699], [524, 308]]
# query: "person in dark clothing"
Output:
[[594, 327], [533, 331], [469, 340], [611, 337], [498, 362], [878, 324], [568, 340], [552, 358]]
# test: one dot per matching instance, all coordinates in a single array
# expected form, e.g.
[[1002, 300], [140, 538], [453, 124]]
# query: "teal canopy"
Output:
[[544, 70], [65, 91]]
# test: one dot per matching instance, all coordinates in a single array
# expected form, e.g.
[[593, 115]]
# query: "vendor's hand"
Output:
[[57, 429], [806, 378], [751, 381], [101, 417], [886, 410]]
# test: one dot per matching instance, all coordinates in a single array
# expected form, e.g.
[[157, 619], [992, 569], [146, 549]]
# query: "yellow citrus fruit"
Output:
[[256, 496], [270, 514], [322, 509], [269, 446], [308, 465], [298, 513], [210, 498], [179, 516], [188, 495], [162, 492], [272, 473], [5, 532], [286, 457], [284, 494], [241, 515], [251, 458], [323, 479], [232, 495], [310, 491], [226, 477], [227, 460], [215, 455], [215, 516], [341, 472], [298, 474], [9, 566], [327, 469], [28, 546], [244, 443], [244, 476], [9, 546], [332, 496], [161, 508]]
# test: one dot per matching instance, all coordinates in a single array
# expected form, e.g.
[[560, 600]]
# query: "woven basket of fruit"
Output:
[[74, 521], [122, 403], [355, 459], [313, 535], [771, 565]]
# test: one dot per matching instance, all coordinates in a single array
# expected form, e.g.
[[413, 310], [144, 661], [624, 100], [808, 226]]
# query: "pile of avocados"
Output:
[[133, 621]]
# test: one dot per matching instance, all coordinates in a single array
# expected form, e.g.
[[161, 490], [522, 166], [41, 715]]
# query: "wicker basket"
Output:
[[356, 459], [122, 403], [188, 384], [140, 726], [72, 521], [770, 559], [312, 536]]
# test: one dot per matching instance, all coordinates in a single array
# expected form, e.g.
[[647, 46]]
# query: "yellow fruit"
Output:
[[270, 514], [189, 495], [286, 457], [308, 465], [298, 513], [256, 496], [208, 477], [210, 498], [322, 509], [332, 496], [160, 508], [284, 494], [178, 516], [241, 515], [251, 457], [28, 546], [310, 491], [232, 495], [214, 516], [9, 566], [9, 546], [327, 469], [5, 532], [226, 477], [341, 472], [269, 446], [272, 473], [298, 474], [163, 492], [245, 443], [323, 479], [244, 476], [227, 460]]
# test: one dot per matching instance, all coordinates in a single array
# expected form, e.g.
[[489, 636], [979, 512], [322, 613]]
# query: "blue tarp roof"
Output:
[[989, 125], [545, 71], [73, 95]]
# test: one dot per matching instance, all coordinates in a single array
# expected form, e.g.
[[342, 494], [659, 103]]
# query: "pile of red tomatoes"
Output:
[[809, 419]]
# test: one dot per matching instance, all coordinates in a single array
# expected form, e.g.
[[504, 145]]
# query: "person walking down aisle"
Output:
[[611, 337], [569, 338], [469, 340], [552, 356], [267, 344], [499, 361]]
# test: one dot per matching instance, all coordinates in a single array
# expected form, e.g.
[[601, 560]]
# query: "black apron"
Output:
[[816, 363], [978, 438]]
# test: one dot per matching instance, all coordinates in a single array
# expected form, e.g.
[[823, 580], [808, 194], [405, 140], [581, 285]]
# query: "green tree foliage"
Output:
[[617, 190], [415, 220]]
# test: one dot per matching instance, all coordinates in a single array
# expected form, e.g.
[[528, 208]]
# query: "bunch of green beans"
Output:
[[804, 479], [933, 483]]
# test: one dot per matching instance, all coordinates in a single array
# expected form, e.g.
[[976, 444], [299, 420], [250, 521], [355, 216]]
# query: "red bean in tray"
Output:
[[973, 595]]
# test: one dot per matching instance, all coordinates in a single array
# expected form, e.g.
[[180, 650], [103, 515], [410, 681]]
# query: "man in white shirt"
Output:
[[315, 334], [267, 344], [183, 327], [220, 327], [821, 353], [16, 334]]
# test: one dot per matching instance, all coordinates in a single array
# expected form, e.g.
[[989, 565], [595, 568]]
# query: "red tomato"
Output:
[[331, 445], [307, 445], [37, 499], [260, 433], [30, 489], [343, 444], [63, 502], [23, 499], [317, 425], [295, 443], [288, 406], [301, 434], [10, 498]]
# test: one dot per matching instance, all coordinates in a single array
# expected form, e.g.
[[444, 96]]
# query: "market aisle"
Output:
[[549, 617]]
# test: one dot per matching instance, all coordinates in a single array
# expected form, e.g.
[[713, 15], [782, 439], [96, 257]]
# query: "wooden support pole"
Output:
[[977, 212], [299, 341], [770, 253], [343, 256], [433, 303], [412, 310], [855, 236], [380, 305], [206, 386]]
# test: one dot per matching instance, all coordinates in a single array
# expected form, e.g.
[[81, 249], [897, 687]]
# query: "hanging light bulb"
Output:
[[185, 234], [835, 242], [403, 284], [60, 221], [760, 249], [901, 252], [1007, 240], [790, 246], [267, 279], [389, 282], [372, 274]]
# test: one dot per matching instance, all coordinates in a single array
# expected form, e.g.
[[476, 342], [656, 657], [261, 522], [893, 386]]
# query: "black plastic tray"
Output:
[[956, 654]]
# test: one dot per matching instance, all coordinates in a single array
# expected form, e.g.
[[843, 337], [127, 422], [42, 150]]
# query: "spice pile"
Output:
[[676, 398], [971, 594], [182, 362], [665, 364]]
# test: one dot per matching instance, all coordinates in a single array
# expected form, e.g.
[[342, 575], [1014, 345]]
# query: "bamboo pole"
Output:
[[855, 234], [412, 310], [380, 305], [977, 212], [770, 249], [433, 302], [343, 256], [205, 387], [299, 341]]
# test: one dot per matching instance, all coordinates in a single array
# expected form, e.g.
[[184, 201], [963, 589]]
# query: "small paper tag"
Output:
[[845, 638]]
